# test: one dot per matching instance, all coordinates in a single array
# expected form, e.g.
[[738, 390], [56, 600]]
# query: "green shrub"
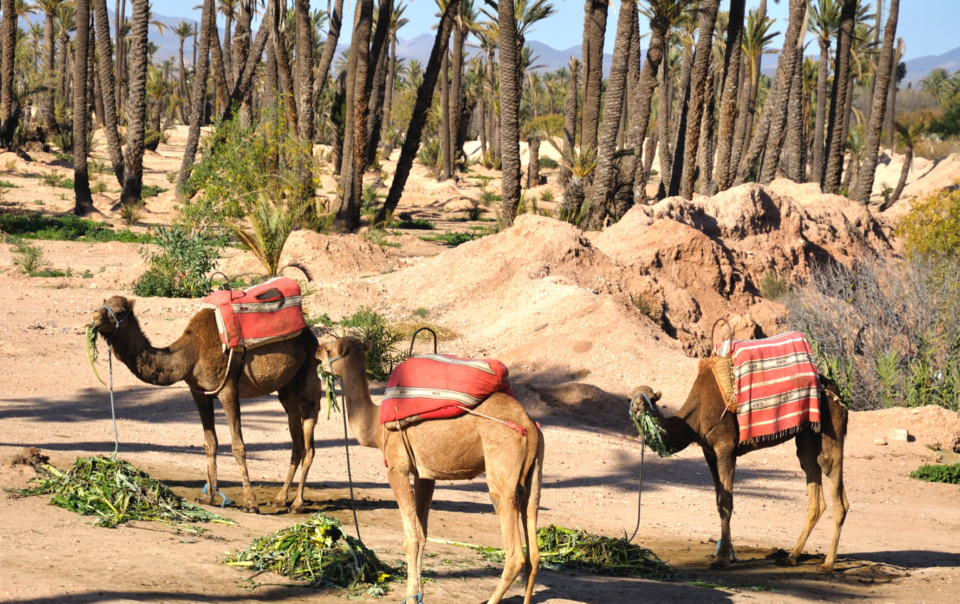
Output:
[[241, 163], [948, 474], [429, 154], [131, 213], [6, 184], [27, 257], [546, 195], [384, 355], [949, 124], [933, 225], [417, 224], [54, 179], [98, 187], [68, 227], [180, 269], [455, 239], [772, 287], [487, 197], [148, 191], [548, 162]]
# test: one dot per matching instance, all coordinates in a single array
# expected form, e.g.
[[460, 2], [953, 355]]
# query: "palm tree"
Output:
[[421, 111], [879, 105], [183, 30], [8, 43], [594, 30], [329, 50], [838, 100], [698, 95], [909, 136], [824, 23], [937, 83], [601, 195], [304, 59], [509, 108], [108, 89], [49, 8], [81, 184], [570, 119], [398, 22], [728, 101], [198, 102], [227, 8], [137, 108]]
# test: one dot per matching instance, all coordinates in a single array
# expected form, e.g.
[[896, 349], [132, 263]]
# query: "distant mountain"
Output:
[[921, 66]]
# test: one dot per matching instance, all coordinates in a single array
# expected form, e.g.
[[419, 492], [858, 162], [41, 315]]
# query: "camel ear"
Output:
[[657, 396], [367, 345], [130, 305]]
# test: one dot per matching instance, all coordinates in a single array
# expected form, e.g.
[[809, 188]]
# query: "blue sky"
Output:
[[929, 27]]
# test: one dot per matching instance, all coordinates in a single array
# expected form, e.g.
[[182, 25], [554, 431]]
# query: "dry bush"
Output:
[[888, 331]]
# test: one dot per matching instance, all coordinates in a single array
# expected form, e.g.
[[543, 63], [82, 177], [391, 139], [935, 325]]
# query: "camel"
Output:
[[702, 420], [288, 367], [459, 448]]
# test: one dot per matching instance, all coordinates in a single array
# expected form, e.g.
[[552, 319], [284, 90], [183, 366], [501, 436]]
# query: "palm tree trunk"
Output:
[[640, 123], [8, 42], [108, 87], [182, 84], [137, 108], [706, 152], [533, 166], [92, 95], [304, 59], [377, 81], [49, 73], [456, 90], [601, 197], [569, 121], [243, 88], [388, 93], [227, 56], [868, 170], [271, 83], [732, 75], [698, 97], [445, 118], [353, 186], [329, 50], [819, 161], [219, 73], [199, 101], [510, 108], [594, 29], [483, 124], [892, 100], [835, 143], [664, 103], [119, 13], [421, 111], [493, 120], [81, 183], [283, 68], [793, 55], [240, 44], [796, 139], [907, 162]]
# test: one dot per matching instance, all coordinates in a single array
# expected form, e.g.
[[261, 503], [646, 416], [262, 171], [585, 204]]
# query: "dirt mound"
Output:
[[327, 257], [928, 425], [708, 258], [29, 456]]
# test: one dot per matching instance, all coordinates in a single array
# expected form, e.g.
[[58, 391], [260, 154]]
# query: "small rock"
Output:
[[880, 442], [900, 435]]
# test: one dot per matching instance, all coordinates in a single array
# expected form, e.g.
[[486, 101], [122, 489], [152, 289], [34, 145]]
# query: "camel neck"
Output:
[[157, 366], [362, 414]]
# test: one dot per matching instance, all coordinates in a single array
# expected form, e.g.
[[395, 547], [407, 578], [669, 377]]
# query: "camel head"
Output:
[[644, 399], [333, 353], [104, 322]]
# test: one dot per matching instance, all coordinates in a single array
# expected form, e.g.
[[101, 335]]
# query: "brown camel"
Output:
[[702, 420], [197, 358], [459, 448]]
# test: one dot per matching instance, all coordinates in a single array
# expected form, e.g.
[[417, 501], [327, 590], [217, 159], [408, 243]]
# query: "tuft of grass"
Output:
[[52, 272], [27, 257], [418, 224], [55, 179], [171, 177], [455, 239], [148, 191], [99, 187], [408, 328], [421, 312], [773, 287], [6, 184], [487, 196], [131, 213], [948, 474], [379, 237], [68, 227], [116, 492], [547, 195], [319, 552]]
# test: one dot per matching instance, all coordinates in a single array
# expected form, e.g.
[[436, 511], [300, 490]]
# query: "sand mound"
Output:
[[327, 257], [708, 257], [930, 425]]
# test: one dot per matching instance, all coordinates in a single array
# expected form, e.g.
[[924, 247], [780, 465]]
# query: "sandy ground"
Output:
[[573, 353]]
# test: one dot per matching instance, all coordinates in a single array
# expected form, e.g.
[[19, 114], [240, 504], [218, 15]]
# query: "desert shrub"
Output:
[[948, 124], [98, 187], [487, 196], [887, 331], [474, 213], [131, 213], [933, 225], [27, 257], [455, 239], [272, 221], [948, 474], [429, 154], [772, 286], [54, 179], [180, 268], [418, 224], [368, 325], [548, 162], [547, 195], [490, 162], [240, 163], [68, 227], [148, 191], [6, 184]]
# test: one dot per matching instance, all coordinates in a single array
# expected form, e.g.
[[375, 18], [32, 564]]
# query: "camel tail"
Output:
[[530, 459]]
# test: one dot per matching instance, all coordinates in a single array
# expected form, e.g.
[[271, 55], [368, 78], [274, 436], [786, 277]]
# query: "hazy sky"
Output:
[[929, 27]]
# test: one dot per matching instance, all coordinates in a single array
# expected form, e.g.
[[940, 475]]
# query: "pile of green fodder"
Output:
[[115, 492], [948, 474], [319, 552], [574, 550]]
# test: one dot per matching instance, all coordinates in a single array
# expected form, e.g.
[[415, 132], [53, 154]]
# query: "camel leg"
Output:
[[723, 466], [292, 406], [205, 407], [831, 461], [528, 517], [231, 406], [308, 425], [413, 534], [808, 449], [423, 492], [513, 561]]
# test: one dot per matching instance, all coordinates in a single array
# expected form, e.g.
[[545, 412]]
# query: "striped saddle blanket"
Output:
[[265, 313], [437, 386], [777, 385]]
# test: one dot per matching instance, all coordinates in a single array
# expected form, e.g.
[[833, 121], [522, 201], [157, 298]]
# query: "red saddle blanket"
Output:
[[436, 386], [777, 385], [265, 313]]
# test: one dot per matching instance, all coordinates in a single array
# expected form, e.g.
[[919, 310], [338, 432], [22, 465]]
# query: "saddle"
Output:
[[265, 313]]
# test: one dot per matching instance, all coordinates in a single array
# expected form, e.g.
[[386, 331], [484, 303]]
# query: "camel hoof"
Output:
[[296, 508], [205, 499], [788, 561], [826, 568], [720, 565], [250, 508], [277, 503]]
